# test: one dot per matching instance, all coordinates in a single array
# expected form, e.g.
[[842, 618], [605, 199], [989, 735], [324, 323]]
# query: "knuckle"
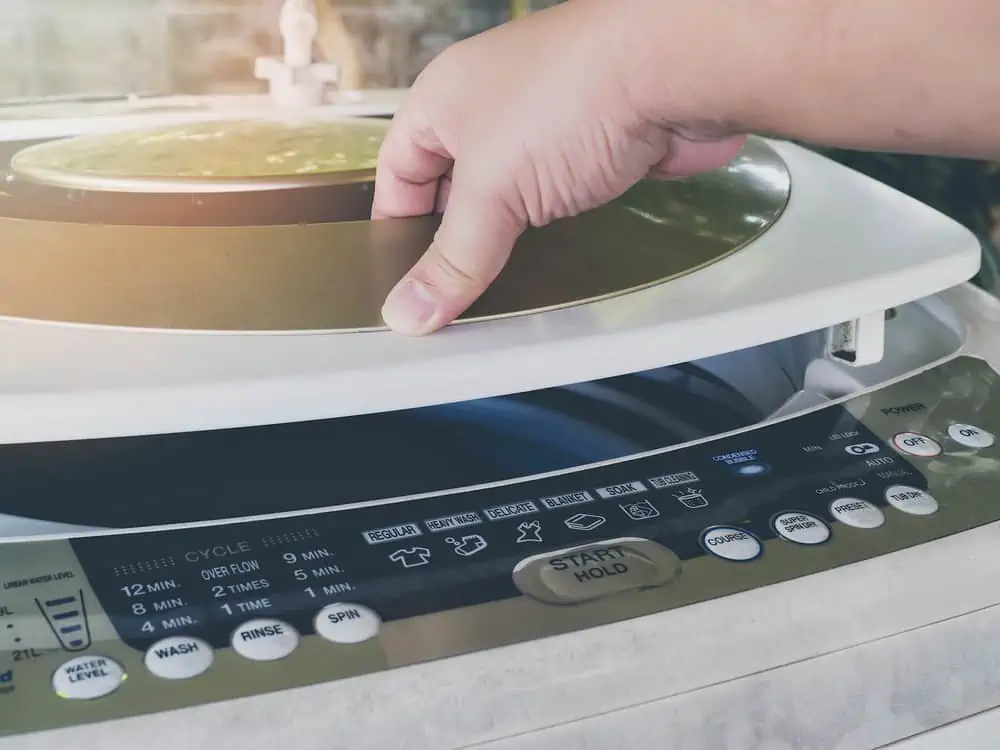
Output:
[[446, 275]]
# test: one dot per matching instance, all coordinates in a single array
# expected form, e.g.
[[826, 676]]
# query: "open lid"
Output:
[[843, 248]]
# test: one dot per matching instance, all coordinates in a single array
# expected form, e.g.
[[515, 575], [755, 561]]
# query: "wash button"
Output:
[[179, 658]]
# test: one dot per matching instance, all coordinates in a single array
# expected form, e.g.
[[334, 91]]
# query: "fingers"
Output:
[[688, 158], [471, 247], [410, 165]]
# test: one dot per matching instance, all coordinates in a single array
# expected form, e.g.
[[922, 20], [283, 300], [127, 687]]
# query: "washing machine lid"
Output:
[[844, 247]]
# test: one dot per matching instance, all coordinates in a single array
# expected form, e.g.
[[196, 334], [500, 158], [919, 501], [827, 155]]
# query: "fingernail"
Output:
[[409, 308]]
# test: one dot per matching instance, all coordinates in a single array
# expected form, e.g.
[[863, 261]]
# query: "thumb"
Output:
[[470, 248]]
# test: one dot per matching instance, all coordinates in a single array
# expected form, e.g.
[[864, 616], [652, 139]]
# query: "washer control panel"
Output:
[[100, 627]]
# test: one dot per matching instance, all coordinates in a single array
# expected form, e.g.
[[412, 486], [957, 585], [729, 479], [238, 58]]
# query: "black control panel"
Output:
[[446, 551]]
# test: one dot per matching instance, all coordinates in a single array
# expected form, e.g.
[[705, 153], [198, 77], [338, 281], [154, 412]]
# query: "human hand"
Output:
[[530, 122]]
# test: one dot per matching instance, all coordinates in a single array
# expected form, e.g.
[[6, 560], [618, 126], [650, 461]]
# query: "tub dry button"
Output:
[[347, 623], [594, 571], [860, 514], [731, 543], [911, 500], [971, 436], [179, 658], [265, 640], [87, 678]]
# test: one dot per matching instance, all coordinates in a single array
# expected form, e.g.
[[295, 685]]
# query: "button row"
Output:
[[738, 545], [922, 446], [185, 657]]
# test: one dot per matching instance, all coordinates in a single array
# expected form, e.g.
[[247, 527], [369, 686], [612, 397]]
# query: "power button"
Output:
[[915, 444]]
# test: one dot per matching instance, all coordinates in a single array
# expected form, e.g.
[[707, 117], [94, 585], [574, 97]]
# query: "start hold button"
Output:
[[593, 571]]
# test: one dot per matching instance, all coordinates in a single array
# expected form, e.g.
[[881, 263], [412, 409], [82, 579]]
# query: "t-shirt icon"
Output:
[[413, 557]]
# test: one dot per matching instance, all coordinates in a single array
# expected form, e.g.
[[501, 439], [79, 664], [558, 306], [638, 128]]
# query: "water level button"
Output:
[[597, 570], [347, 623], [731, 543], [265, 640], [911, 500], [87, 678], [801, 528], [179, 658], [971, 436]]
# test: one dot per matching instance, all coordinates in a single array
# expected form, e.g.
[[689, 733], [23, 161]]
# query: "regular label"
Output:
[[392, 533]]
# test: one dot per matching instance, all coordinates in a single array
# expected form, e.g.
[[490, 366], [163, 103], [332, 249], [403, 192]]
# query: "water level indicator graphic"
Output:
[[67, 618]]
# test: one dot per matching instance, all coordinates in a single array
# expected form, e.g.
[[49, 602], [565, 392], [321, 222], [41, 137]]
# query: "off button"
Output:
[[915, 444], [594, 571]]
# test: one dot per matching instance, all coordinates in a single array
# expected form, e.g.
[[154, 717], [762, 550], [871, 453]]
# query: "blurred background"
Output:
[[82, 48]]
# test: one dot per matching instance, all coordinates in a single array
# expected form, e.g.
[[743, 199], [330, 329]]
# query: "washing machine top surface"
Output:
[[184, 318]]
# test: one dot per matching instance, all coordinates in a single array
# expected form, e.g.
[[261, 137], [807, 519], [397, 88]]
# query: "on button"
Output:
[[593, 571], [971, 436]]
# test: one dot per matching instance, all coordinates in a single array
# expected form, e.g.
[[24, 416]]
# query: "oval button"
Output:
[[596, 570]]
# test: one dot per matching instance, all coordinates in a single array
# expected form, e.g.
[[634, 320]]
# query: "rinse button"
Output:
[[593, 571], [731, 543], [347, 623], [915, 444], [801, 528], [911, 500], [265, 640], [87, 678], [860, 514], [971, 436], [179, 658]]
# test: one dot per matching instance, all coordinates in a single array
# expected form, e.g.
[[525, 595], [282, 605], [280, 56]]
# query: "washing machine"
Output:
[[713, 466]]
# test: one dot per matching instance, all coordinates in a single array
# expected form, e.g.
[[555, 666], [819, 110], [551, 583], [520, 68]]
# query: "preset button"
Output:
[[860, 514]]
